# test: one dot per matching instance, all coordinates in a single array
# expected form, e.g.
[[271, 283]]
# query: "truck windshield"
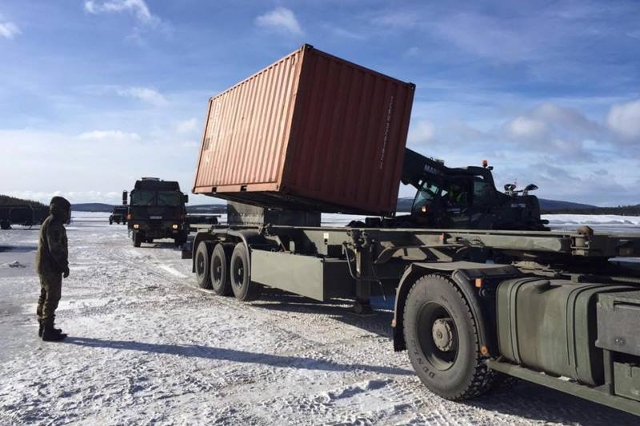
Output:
[[156, 198], [169, 198], [142, 198]]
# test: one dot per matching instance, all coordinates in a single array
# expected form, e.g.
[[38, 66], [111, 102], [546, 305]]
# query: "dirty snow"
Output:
[[147, 347]]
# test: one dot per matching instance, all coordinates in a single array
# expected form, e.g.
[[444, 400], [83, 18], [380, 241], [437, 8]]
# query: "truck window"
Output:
[[425, 197], [142, 198], [483, 192], [169, 198]]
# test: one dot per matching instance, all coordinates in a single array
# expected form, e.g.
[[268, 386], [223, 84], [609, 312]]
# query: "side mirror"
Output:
[[530, 187], [186, 198]]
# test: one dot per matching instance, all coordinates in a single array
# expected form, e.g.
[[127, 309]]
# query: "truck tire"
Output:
[[241, 285], [442, 340], [202, 261], [137, 239], [220, 266]]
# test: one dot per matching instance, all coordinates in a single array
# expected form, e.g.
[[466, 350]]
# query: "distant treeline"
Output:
[[5, 200]]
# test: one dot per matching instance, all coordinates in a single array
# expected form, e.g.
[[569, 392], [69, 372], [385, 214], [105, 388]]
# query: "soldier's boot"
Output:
[[50, 335], [41, 329]]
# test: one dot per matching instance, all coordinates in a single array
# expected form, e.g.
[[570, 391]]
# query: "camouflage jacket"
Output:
[[52, 256]]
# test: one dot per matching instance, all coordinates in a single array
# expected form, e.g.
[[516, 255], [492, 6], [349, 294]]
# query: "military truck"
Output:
[[483, 289], [118, 215], [157, 210], [17, 214]]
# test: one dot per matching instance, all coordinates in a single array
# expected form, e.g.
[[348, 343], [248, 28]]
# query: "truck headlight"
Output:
[[174, 226], [136, 226]]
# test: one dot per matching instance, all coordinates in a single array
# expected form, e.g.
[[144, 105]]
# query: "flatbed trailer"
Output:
[[471, 306]]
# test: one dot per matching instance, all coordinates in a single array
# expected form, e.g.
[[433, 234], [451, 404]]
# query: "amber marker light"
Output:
[[479, 282]]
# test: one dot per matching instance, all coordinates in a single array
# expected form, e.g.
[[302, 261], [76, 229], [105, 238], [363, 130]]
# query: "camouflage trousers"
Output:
[[50, 293]]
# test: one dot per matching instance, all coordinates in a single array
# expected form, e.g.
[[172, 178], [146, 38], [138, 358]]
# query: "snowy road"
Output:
[[147, 347]]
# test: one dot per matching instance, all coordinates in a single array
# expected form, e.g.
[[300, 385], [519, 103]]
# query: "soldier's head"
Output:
[[60, 208]]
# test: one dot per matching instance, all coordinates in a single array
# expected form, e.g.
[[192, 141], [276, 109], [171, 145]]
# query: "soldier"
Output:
[[52, 264]]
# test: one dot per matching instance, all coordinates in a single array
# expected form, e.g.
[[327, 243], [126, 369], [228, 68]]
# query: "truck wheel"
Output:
[[241, 283], [442, 340], [137, 239], [202, 265], [220, 265]]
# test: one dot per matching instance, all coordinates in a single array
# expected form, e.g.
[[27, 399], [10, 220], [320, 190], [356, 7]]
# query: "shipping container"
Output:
[[311, 131]]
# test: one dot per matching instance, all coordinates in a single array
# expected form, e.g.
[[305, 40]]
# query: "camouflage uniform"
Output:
[[52, 264]]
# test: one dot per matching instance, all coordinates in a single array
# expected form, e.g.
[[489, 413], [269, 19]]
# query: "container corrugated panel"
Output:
[[311, 131]]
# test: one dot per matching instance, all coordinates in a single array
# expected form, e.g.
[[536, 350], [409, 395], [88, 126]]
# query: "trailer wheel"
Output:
[[202, 265], [442, 340], [220, 266], [241, 285], [137, 239]]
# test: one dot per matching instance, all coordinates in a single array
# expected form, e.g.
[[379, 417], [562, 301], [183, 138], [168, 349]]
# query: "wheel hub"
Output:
[[443, 335]]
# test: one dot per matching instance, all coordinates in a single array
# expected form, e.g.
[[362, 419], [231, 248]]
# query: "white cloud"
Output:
[[624, 120], [421, 132], [343, 33], [396, 20], [109, 135], [187, 126], [9, 30], [525, 128], [146, 94], [136, 7], [412, 52], [568, 118], [485, 36], [280, 19]]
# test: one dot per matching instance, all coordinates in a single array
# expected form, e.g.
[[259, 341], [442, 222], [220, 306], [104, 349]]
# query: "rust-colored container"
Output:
[[310, 131]]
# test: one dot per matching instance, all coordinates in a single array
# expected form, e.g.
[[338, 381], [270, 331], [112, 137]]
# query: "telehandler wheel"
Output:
[[220, 267], [137, 239], [202, 265], [442, 340], [241, 283]]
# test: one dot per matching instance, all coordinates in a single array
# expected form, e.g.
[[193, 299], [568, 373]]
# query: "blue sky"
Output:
[[95, 94]]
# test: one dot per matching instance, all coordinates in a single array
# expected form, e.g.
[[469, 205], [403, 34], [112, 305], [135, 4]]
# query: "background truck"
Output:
[[22, 214], [157, 210], [119, 215], [483, 289]]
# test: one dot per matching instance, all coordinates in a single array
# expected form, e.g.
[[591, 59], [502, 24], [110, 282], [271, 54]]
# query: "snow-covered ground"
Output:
[[147, 347]]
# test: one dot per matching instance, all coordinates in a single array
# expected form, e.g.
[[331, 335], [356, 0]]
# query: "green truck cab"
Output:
[[157, 210], [119, 215]]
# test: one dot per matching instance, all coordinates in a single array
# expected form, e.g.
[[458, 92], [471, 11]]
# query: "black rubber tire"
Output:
[[241, 285], [137, 239], [220, 267], [202, 260], [458, 371]]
